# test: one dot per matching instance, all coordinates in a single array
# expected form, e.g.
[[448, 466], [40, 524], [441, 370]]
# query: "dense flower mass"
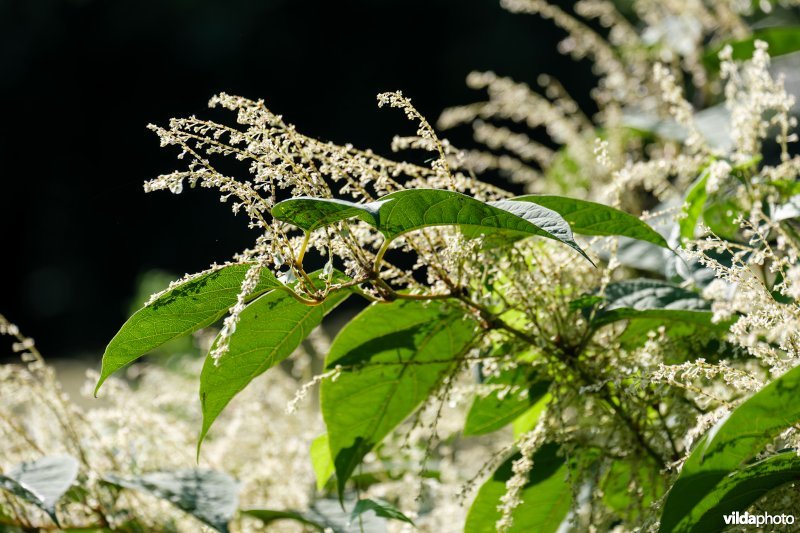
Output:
[[613, 369]]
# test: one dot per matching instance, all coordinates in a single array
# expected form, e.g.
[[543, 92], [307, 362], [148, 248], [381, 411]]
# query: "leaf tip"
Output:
[[199, 445], [100, 382], [584, 254]]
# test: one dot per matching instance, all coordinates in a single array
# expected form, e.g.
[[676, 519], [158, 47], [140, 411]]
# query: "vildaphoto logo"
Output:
[[742, 519]]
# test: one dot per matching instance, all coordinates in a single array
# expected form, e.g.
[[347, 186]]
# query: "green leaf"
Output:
[[269, 330], [694, 204], [309, 213], [191, 306], [208, 495], [404, 211], [321, 460], [740, 490], [719, 215], [590, 218], [546, 496], [549, 223], [491, 412], [731, 443], [42, 482], [527, 420], [382, 509], [649, 298], [324, 515], [630, 487], [781, 40], [392, 356], [586, 301]]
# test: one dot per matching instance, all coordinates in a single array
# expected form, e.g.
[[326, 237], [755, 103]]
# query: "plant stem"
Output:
[[301, 254]]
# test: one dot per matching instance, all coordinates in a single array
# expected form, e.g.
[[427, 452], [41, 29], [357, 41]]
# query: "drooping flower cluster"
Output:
[[704, 155]]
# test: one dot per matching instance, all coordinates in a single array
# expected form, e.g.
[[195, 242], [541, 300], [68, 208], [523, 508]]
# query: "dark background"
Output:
[[80, 79]]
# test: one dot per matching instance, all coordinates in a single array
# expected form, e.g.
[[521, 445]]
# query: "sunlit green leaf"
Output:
[[392, 356], [528, 419], [731, 443], [413, 209], [310, 213], [492, 412], [781, 40], [191, 306], [739, 490], [629, 487], [591, 218], [694, 204], [547, 496], [269, 330], [321, 460], [719, 215]]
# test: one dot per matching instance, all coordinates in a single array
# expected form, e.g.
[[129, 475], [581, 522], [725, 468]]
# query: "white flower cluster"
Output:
[[521, 468], [637, 394], [756, 101], [151, 427]]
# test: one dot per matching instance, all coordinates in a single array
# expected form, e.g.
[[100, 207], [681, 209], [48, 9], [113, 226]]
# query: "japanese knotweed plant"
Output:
[[611, 342]]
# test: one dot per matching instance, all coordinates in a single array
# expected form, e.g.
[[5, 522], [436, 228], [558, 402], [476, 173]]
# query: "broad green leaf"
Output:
[[550, 224], [413, 209], [546, 497], [309, 213], [381, 509], [630, 487], [586, 301], [321, 460], [731, 443], [269, 330], [325, 515], [649, 298], [392, 356], [42, 482], [527, 420], [719, 215], [694, 204], [492, 412], [590, 218], [191, 306], [695, 339], [781, 40], [740, 490], [208, 495]]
